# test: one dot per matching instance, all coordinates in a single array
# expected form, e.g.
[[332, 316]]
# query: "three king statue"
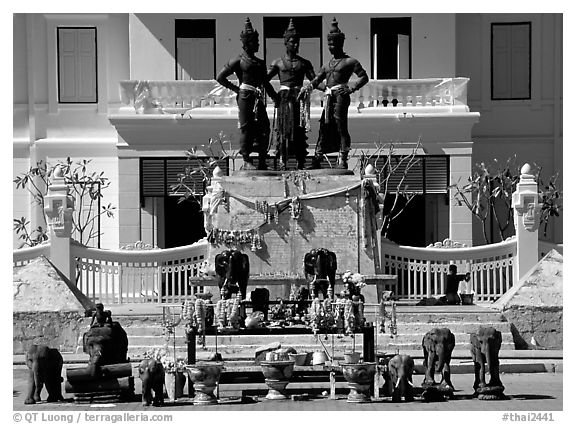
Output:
[[292, 100]]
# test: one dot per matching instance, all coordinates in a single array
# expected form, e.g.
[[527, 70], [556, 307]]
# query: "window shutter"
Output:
[[86, 77], [436, 174], [152, 177], [429, 174], [520, 61], [159, 175], [67, 72], [501, 62], [77, 65], [511, 61]]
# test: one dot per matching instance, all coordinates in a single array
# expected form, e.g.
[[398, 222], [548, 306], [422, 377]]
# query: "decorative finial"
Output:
[[369, 170], [526, 168], [58, 173], [217, 173]]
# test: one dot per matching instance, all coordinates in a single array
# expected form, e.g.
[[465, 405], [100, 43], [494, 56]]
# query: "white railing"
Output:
[[21, 257], [133, 276], [162, 275], [545, 246], [178, 96], [421, 272]]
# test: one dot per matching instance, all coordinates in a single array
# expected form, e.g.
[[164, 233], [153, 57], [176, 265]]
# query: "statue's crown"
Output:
[[335, 32]]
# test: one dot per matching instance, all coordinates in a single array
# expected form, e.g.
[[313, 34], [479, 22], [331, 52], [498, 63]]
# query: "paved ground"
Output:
[[525, 392]]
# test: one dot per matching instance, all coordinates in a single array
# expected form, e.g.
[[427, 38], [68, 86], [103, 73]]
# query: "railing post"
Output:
[[526, 221], [58, 207]]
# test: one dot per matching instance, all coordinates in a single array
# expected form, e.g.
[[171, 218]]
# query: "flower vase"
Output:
[[170, 383], [180, 383]]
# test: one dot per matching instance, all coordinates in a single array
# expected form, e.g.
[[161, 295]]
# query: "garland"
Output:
[[235, 237], [305, 111]]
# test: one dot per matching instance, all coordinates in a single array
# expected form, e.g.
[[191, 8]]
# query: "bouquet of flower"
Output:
[[156, 353], [357, 279], [172, 364]]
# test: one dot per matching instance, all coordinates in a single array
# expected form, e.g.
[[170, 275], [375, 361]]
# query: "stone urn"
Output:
[[277, 376], [205, 377], [359, 376]]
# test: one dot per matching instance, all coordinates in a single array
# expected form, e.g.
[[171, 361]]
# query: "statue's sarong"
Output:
[[290, 135], [334, 135], [253, 120]]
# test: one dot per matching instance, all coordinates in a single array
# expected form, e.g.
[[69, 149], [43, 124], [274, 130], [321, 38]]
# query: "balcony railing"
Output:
[[147, 96]]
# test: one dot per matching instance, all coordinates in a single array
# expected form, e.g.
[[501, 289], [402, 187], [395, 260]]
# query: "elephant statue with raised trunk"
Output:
[[152, 374], [233, 270], [437, 346], [321, 264], [485, 347], [45, 365], [398, 378], [106, 345]]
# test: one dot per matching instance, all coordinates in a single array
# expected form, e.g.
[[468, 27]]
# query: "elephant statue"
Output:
[[485, 347], [106, 345], [398, 378], [151, 373], [45, 366], [322, 265], [437, 345], [233, 270]]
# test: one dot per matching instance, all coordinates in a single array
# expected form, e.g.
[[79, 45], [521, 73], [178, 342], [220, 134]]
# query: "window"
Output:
[[77, 66], [195, 49], [159, 175], [511, 51], [310, 30], [391, 47], [427, 175]]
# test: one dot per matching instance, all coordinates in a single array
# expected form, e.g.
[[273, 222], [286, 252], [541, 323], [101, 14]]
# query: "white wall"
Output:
[[152, 41]]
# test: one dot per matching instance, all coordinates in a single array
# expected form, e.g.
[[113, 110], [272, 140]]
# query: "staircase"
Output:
[[145, 331], [413, 322]]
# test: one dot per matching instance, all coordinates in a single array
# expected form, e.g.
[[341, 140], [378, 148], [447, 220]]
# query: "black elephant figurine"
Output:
[[437, 345], [485, 347], [106, 345], [45, 366], [398, 378], [152, 374], [321, 264], [233, 270]]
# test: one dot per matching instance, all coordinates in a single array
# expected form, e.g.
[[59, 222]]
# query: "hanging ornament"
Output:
[[347, 197], [295, 208]]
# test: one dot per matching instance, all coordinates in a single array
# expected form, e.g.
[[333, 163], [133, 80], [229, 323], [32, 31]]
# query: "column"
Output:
[[58, 207], [527, 208]]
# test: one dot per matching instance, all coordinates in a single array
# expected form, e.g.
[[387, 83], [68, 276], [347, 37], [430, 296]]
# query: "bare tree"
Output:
[[199, 170], [392, 170], [86, 188], [488, 195]]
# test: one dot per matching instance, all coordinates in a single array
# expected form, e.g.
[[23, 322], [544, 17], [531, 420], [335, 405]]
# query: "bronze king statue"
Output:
[[334, 135], [292, 121], [250, 96]]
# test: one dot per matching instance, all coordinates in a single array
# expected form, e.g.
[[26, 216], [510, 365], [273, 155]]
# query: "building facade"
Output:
[[79, 81]]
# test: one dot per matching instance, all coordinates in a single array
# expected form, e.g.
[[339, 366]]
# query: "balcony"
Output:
[[179, 114]]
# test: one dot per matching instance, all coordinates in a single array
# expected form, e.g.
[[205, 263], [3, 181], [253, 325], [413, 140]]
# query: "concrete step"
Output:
[[302, 340], [404, 327]]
